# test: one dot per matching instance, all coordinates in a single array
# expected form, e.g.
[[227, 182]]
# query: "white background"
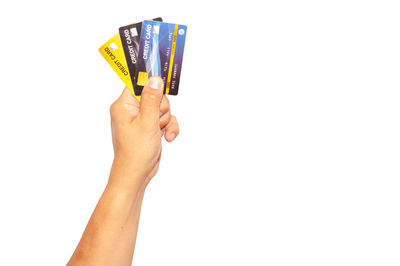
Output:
[[289, 149]]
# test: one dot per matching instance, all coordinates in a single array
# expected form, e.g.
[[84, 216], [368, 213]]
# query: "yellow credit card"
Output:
[[113, 53]]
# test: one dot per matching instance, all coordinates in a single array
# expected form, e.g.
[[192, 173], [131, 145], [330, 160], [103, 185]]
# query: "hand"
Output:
[[137, 128]]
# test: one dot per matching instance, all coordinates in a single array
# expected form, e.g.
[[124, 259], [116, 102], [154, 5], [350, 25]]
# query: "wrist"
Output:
[[126, 176], [122, 195]]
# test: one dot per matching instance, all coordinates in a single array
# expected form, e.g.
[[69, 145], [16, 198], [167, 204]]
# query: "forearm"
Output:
[[110, 235], [137, 128], [129, 242]]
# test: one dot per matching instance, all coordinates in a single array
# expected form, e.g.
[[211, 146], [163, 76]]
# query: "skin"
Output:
[[137, 130]]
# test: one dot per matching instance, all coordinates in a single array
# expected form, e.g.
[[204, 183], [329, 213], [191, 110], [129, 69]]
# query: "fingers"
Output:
[[172, 129], [125, 102], [127, 97], [152, 95], [165, 112], [164, 119], [164, 107]]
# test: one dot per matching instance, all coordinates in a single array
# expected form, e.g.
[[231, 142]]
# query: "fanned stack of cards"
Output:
[[145, 49]]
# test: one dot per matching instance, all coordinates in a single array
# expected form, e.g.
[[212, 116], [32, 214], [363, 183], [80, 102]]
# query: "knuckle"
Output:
[[175, 122], [149, 97], [164, 106], [115, 108], [173, 118], [112, 108], [166, 100], [167, 115], [164, 120]]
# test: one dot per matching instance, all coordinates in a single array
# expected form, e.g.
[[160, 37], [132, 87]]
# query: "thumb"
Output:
[[151, 98]]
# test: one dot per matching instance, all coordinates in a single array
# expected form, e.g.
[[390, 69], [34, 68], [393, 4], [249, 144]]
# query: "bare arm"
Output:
[[110, 236]]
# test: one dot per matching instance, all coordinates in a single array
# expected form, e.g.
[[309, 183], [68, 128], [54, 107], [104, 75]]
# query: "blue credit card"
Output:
[[160, 54]]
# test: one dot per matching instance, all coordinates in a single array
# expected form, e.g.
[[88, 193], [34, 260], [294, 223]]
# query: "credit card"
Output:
[[160, 54], [113, 53], [130, 38]]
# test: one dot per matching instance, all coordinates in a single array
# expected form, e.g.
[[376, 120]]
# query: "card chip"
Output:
[[133, 32], [142, 78], [113, 46]]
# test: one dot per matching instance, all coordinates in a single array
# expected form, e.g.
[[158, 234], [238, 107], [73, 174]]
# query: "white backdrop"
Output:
[[289, 149]]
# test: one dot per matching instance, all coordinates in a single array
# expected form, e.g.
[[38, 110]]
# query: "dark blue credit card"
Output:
[[160, 54]]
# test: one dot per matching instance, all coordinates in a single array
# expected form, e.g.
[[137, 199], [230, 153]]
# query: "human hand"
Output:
[[137, 128]]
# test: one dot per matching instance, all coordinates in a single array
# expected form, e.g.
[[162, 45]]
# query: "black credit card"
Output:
[[130, 38]]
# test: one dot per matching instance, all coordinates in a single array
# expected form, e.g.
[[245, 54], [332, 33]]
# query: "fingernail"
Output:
[[172, 136], [155, 83]]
